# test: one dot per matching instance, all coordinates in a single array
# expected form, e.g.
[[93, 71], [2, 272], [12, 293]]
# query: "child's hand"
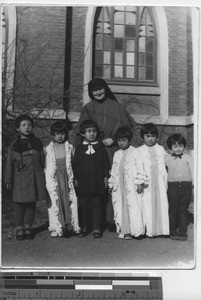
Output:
[[76, 183], [108, 142], [110, 190], [140, 188], [192, 191], [105, 182], [8, 186]]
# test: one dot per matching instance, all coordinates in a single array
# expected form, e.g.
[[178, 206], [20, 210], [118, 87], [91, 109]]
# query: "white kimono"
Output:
[[127, 163], [51, 185], [155, 202]]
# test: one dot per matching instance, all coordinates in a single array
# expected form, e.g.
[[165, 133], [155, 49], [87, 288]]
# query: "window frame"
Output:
[[127, 81]]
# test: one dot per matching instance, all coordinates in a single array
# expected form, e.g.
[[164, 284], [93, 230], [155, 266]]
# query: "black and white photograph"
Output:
[[99, 136]]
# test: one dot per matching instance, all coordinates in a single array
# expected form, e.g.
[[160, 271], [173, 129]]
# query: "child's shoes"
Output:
[[55, 233], [97, 234], [28, 234], [20, 233], [182, 237], [83, 233], [128, 236]]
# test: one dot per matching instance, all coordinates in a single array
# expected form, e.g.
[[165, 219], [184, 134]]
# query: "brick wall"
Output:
[[189, 65], [176, 19], [40, 57], [77, 58]]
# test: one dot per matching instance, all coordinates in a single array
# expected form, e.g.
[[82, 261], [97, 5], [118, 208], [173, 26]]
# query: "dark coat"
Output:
[[109, 116], [24, 170], [90, 170]]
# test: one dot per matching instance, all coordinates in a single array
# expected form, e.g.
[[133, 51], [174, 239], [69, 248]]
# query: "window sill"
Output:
[[130, 89]]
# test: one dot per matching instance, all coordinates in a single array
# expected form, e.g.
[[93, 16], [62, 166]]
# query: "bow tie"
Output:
[[177, 156], [90, 149]]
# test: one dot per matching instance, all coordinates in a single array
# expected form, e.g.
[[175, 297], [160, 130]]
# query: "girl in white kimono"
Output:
[[63, 212], [126, 185], [155, 202]]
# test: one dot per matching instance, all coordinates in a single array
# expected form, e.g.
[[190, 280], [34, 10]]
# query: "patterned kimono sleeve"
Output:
[[165, 176], [141, 176], [113, 173]]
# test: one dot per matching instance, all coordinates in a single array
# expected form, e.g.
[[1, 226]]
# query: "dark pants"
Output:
[[24, 213], [179, 198], [91, 208]]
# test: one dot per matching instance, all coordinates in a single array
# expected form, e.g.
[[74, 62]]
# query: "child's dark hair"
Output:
[[124, 132], [87, 124], [148, 128], [176, 138], [22, 118], [59, 127]]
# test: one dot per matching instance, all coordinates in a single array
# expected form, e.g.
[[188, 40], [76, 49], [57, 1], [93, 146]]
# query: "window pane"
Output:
[[107, 42], [149, 73], [119, 18], [106, 71], [118, 44], [130, 59], [142, 60], [149, 44], [119, 31], [118, 71], [106, 57], [130, 18], [118, 58], [142, 31], [99, 71], [149, 30], [107, 28], [141, 71], [149, 59], [99, 28], [130, 72], [130, 45], [99, 57], [107, 14], [129, 31], [99, 41], [141, 44]]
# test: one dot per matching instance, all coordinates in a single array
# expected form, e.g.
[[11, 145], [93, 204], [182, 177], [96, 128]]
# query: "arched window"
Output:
[[125, 45]]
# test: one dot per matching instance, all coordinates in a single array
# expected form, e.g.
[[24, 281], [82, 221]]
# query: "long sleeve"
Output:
[[105, 163], [9, 166], [190, 165], [113, 172], [75, 164]]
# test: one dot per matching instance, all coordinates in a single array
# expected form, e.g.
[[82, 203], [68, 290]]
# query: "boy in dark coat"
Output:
[[24, 175], [91, 172]]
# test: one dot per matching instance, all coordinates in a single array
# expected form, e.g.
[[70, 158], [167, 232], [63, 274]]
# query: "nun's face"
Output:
[[99, 94]]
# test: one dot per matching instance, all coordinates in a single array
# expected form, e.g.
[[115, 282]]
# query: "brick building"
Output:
[[148, 56]]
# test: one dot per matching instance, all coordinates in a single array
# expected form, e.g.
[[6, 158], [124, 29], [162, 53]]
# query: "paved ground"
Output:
[[107, 252]]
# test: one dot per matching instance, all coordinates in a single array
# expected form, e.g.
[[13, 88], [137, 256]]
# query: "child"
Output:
[[91, 172], [155, 203], [63, 214], [180, 178], [24, 174], [126, 185]]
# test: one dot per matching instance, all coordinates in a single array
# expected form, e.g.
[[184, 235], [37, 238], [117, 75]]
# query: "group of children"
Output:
[[150, 188]]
